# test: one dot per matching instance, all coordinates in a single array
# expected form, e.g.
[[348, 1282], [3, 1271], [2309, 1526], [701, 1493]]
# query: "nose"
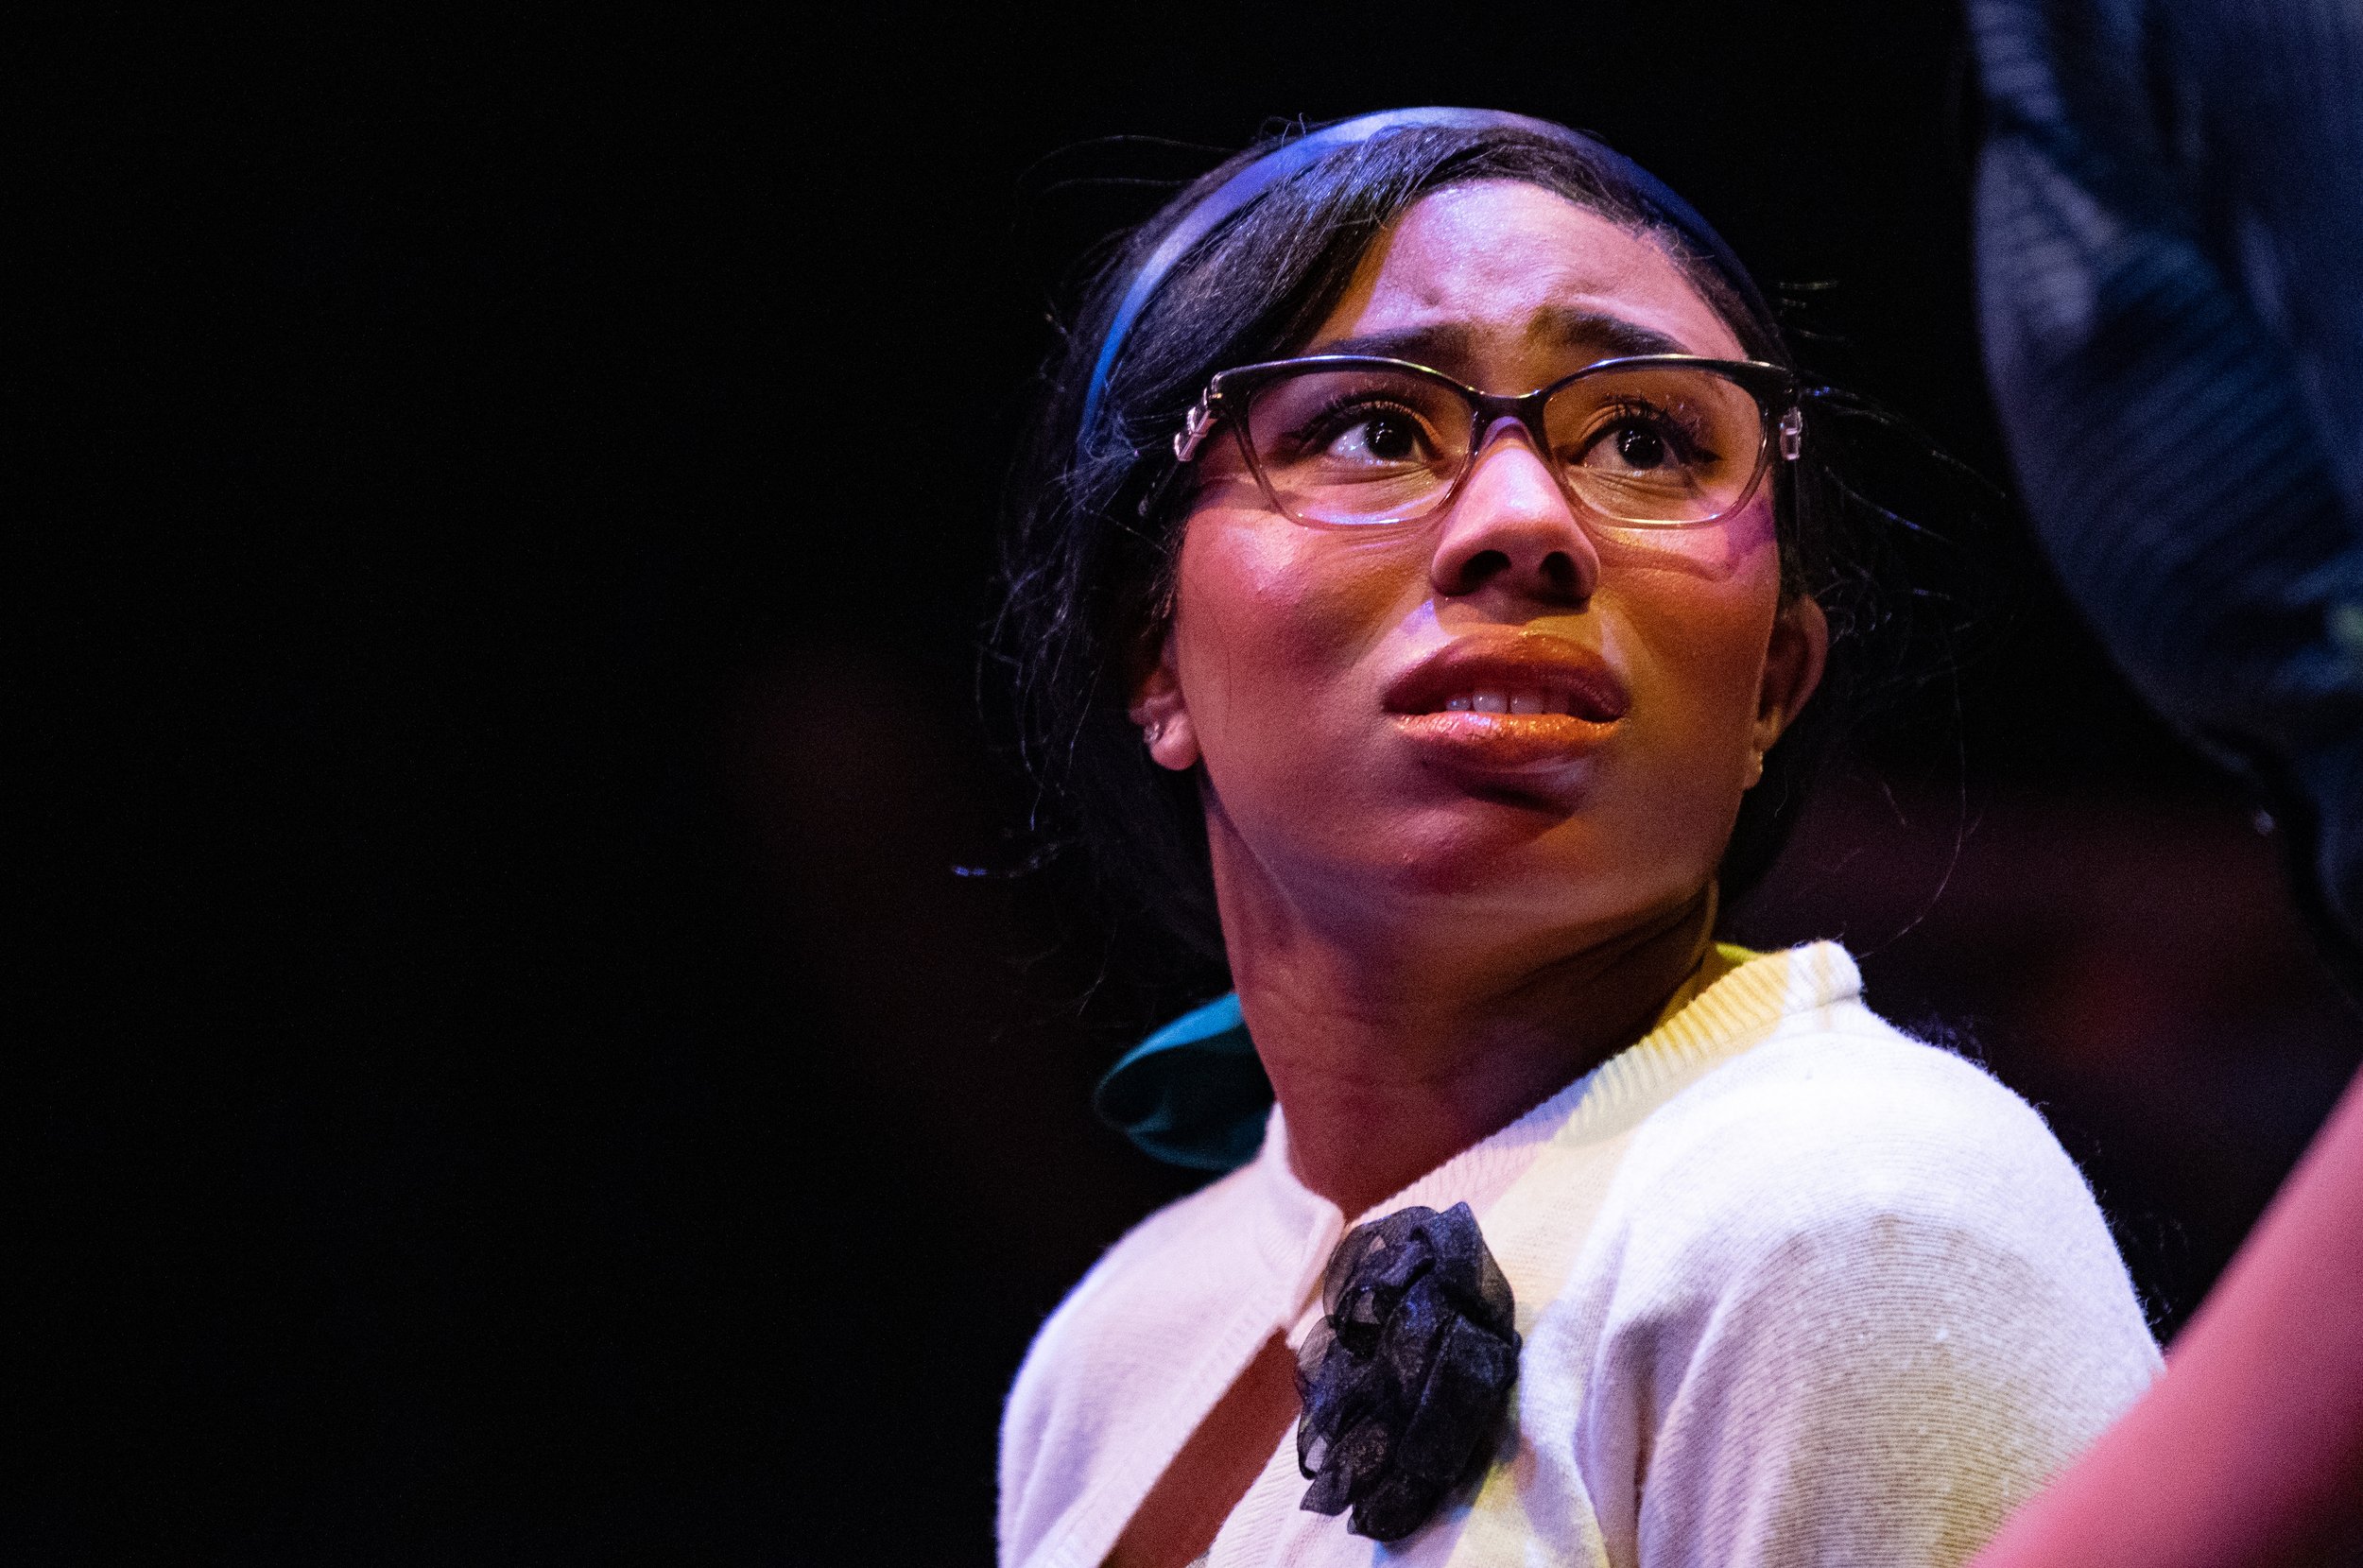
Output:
[[1512, 529]]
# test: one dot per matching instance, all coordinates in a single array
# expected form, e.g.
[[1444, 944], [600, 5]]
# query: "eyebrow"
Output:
[[1450, 345]]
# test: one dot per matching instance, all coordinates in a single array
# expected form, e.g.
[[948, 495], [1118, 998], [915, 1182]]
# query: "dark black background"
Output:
[[511, 1075]]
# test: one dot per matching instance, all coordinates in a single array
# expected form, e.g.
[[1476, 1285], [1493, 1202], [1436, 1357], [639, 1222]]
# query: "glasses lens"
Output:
[[1357, 446], [1658, 446]]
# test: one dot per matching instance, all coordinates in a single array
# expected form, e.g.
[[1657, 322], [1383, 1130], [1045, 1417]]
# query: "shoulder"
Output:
[[1853, 1122], [1850, 1261], [1159, 1272], [1148, 1311], [1845, 1186]]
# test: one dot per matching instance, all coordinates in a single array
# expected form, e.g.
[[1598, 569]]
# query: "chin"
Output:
[[1510, 853]]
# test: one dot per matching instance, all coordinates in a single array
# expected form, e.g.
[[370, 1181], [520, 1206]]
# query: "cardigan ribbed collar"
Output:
[[1297, 1229]]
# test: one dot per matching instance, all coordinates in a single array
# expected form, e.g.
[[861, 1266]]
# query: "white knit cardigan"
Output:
[[1794, 1289]]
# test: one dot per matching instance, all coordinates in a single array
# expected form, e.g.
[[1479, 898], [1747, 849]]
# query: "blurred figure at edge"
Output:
[[2170, 248]]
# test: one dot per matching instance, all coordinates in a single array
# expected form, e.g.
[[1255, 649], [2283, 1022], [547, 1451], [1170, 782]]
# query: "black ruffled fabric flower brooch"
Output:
[[1406, 1381]]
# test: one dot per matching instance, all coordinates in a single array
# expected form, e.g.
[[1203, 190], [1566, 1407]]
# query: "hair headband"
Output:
[[1243, 188]]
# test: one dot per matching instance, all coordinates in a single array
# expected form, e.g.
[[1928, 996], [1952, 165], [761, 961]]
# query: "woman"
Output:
[[1426, 573]]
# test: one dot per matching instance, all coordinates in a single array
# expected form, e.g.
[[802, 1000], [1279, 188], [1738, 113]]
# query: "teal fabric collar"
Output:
[[1193, 1093]]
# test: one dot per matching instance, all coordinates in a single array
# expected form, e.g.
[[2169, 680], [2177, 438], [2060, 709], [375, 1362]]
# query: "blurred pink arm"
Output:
[[2250, 1450]]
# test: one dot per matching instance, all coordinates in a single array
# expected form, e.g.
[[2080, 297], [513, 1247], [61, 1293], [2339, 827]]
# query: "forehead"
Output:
[[1508, 266]]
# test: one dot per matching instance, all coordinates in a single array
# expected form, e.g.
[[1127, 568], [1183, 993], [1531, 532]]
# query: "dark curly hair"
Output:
[[1096, 513]]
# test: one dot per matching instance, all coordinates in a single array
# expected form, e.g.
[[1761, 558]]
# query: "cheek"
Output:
[[1700, 616], [1269, 615]]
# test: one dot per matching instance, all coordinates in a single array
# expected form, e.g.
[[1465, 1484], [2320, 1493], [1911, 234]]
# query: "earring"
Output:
[[1154, 729]]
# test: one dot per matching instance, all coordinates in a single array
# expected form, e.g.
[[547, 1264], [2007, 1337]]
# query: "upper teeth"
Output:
[[1508, 702]]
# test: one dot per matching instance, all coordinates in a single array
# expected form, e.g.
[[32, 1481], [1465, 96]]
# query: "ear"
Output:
[[1158, 708], [1792, 669]]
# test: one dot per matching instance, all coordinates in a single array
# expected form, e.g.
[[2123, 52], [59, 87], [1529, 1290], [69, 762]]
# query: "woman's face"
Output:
[[1336, 681]]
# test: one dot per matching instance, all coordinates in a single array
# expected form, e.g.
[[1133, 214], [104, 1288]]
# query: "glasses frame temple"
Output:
[[1197, 424]]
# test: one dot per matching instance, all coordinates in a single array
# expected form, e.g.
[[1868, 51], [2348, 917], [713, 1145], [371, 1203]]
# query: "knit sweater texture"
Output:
[[1794, 1289]]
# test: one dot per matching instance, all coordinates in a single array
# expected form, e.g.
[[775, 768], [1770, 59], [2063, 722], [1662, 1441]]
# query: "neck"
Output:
[[1389, 1056]]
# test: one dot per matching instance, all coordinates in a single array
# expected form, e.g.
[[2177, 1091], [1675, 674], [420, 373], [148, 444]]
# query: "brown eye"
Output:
[[1390, 437], [1673, 444], [1351, 444], [1377, 436], [1641, 447]]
